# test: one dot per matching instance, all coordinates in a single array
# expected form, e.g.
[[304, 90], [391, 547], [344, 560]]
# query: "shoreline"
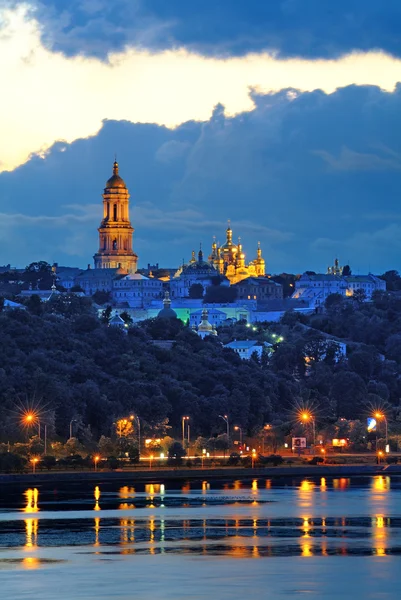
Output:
[[185, 474]]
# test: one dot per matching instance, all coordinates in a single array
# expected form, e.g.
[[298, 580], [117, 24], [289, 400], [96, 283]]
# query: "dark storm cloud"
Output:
[[309, 175], [308, 28]]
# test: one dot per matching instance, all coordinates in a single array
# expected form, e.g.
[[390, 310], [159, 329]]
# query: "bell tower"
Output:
[[115, 231]]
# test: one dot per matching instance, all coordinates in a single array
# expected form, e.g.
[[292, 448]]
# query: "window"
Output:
[[115, 212]]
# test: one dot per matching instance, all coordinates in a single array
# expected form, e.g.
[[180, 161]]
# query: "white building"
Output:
[[316, 288], [245, 348], [135, 290], [368, 283]]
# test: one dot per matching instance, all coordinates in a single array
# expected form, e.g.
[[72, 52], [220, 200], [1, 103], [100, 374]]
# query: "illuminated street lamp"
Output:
[[183, 430], [237, 428], [379, 456], [30, 419], [34, 462], [381, 417], [96, 460], [150, 461], [253, 457], [305, 418], [225, 418]]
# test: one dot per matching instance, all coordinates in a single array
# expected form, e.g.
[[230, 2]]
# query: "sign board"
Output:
[[372, 424], [298, 442]]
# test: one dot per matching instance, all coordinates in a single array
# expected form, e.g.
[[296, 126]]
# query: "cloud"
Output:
[[53, 97], [349, 160], [289, 28], [262, 168]]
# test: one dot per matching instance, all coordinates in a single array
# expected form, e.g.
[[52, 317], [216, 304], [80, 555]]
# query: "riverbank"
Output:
[[185, 474]]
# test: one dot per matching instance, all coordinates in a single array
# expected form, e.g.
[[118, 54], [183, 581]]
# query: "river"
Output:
[[266, 538]]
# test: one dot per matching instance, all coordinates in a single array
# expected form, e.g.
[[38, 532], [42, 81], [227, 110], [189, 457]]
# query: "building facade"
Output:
[[135, 290], [316, 288], [115, 231], [259, 289]]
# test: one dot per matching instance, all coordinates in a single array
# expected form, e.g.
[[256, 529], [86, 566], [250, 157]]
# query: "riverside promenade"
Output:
[[187, 474]]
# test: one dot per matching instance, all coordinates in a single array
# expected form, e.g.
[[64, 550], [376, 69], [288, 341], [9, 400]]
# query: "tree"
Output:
[[106, 446], [101, 297], [347, 271], [34, 305], [106, 315], [48, 462], [175, 454], [220, 294], [359, 296], [126, 317], [333, 301], [196, 291]]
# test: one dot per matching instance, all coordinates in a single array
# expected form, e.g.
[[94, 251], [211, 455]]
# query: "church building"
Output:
[[229, 260], [115, 231]]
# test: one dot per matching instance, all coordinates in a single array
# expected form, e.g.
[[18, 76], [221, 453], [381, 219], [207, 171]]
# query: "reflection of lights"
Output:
[[323, 485], [31, 533], [268, 484], [205, 486], [306, 549], [31, 562], [32, 497], [126, 492], [306, 486], [255, 485], [97, 529], [381, 484], [97, 498]]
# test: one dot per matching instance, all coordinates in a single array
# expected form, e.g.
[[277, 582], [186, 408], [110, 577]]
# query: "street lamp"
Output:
[[96, 460], [237, 428], [183, 430], [132, 418], [31, 418], [34, 462], [381, 417], [225, 418], [71, 422], [305, 417], [253, 457]]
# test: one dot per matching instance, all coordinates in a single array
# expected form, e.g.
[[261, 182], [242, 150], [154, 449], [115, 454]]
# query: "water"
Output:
[[315, 538]]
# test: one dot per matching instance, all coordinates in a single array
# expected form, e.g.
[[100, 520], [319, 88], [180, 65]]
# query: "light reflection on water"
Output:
[[315, 521]]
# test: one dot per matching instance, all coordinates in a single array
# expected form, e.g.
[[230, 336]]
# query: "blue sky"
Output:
[[282, 116]]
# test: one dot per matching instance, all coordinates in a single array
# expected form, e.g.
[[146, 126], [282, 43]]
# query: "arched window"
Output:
[[114, 244], [115, 212]]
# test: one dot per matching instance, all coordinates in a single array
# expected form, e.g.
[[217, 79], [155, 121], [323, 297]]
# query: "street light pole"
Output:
[[237, 428], [225, 418], [183, 430], [71, 422]]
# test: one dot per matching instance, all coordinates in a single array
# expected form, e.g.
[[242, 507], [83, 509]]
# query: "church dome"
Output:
[[167, 312], [204, 325], [115, 180]]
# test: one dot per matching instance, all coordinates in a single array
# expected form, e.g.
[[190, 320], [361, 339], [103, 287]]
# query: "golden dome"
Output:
[[204, 325], [115, 180]]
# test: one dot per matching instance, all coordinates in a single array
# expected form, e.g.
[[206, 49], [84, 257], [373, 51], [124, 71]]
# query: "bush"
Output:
[[175, 454], [273, 459], [316, 460], [74, 461], [12, 463], [48, 462], [392, 460], [234, 459], [112, 463]]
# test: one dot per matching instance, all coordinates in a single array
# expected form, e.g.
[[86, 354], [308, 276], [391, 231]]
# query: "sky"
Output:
[[282, 116]]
